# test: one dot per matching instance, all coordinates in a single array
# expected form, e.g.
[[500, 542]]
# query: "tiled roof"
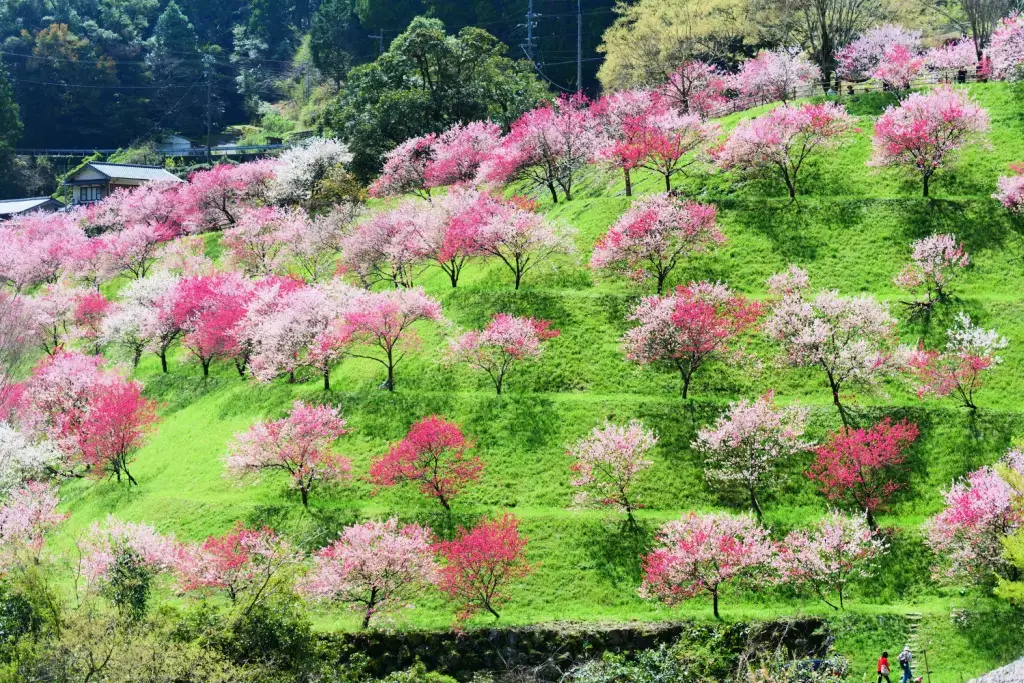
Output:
[[10, 207], [134, 171], [1011, 673]]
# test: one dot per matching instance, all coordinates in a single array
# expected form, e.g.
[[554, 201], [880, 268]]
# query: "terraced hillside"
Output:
[[851, 229]]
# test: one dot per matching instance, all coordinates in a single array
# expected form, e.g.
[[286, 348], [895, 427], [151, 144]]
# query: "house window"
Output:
[[90, 193]]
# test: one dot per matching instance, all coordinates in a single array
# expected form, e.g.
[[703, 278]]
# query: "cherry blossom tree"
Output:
[[380, 326], [547, 147], [952, 58], [858, 60], [213, 198], [503, 343], [390, 246], [980, 511], [258, 241], [481, 564], [117, 424], [657, 232], [774, 75], [614, 112], [1011, 190], [209, 310], [747, 443], [27, 515], [38, 248], [852, 339], [859, 466], [433, 453], [607, 464], [91, 308], [374, 567], [701, 553], [937, 260], [23, 459], [926, 131], [522, 239], [132, 249], [898, 68], [459, 152], [299, 445], [1006, 48], [696, 87], [668, 143], [16, 342], [827, 557], [780, 141], [245, 564], [405, 169], [315, 245], [956, 371], [107, 543], [452, 235], [153, 302], [685, 330], [301, 169], [53, 315]]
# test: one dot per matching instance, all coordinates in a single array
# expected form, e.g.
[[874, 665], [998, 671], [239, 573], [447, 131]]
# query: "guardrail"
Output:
[[223, 150]]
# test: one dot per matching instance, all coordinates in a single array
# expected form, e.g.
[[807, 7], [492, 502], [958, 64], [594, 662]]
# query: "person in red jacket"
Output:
[[883, 668]]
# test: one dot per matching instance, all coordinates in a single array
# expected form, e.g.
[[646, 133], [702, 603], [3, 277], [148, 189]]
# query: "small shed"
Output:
[[174, 144], [14, 207], [97, 179]]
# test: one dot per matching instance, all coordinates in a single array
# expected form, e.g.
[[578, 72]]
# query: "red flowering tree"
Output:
[[434, 454], [405, 169], [667, 143], [209, 310], [614, 112], [453, 235], [657, 232], [1011, 189], [299, 445], [116, 425], [90, 310], [505, 341], [780, 141], [859, 466], [701, 553], [380, 326], [374, 567], [899, 67], [689, 328], [926, 130], [607, 464], [481, 564]]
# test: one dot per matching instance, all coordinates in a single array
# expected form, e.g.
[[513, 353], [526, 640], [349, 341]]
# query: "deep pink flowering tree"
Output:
[[89, 312], [775, 75], [405, 169], [851, 339], [701, 553], [858, 60], [952, 58], [956, 371], [209, 310], [116, 425], [926, 130], [859, 466], [435, 455], [380, 325], [481, 564], [779, 142], [213, 199], [899, 67], [1006, 48], [607, 464], [657, 232], [689, 328], [1011, 190], [748, 442], [522, 239], [668, 143], [696, 87], [503, 343], [390, 246], [452, 236], [107, 542], [936, 261], [980, 511], [298, 444], [376, 568], [615, 112], [459, 152], [27, 515], [827, 557]]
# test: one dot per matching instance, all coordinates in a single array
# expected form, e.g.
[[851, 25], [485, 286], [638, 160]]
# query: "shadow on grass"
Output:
[[616, 548]]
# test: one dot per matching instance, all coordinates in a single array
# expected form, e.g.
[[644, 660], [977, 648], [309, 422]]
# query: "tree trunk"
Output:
[[163, 361], [756, 506], [686, 381], [926, 185], [714, 603], [206, 368], [136, 358], [491, 610], [369, 608], [391, 375], [304, 492], [327, 380], [668, 183], [872, 524], [519, 278], [498, 382], [554, 194], [629, 182]]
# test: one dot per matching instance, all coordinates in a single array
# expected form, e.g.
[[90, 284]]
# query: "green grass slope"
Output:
[[851, 229]]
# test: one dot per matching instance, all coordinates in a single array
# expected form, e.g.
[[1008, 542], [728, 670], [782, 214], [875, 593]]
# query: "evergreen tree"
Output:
[[175, 62], [10, 132], [334, 39]]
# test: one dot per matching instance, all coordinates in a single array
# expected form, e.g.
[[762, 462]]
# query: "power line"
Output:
[[100, 87]]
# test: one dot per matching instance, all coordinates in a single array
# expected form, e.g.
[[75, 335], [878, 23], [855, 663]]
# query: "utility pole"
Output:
[[380, 41], [529, 32], [209, 111], [579, 49]]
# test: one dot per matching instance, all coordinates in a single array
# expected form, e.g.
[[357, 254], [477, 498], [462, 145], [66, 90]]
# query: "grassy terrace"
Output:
[[850, 228]]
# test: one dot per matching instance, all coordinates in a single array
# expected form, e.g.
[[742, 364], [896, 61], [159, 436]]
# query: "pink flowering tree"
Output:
[[780, 141], [452, 235], [614, 112], [16, 345], [828, 557], [245, 564], [503, 343], [147, 314], [27, 515], [522, 239], [748, 442], [980, 511], [435, 455], [701, 553], [314, 245], [547, 147], [937, 261], [657, 232], [851, 339], [776, 75], [668, 143], [956, 371], [860, 466], [1011, 190], [390, 246], [38, 248], [953, 58], [926, 131], [259, 239], [91, 308], [213, 199], [53, 315], [376, 568], [209, 310], [898, 68], [132, 249], [380, 326], [459, 152], [118, 423], [696, 87], [405, 169], [298, 444], [689, 328], [607, 464], [481, 564], [1006, 48], [858, 60]]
